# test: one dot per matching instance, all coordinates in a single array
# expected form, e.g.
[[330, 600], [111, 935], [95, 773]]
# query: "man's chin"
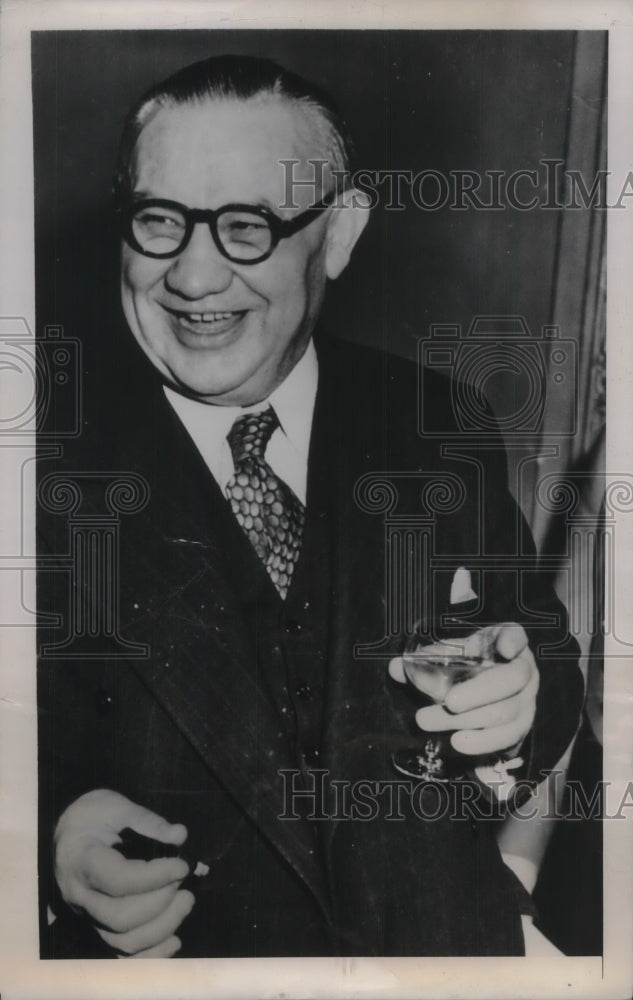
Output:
[[214, 390]]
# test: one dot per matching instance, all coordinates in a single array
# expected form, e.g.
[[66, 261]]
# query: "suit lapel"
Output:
[[202, 667], [351, 446], [365, 713]]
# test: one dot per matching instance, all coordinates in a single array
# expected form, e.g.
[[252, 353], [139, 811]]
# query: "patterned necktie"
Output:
[[265, 507]]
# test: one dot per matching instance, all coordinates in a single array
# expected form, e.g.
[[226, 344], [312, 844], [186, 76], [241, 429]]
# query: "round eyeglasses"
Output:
[[245, 234]]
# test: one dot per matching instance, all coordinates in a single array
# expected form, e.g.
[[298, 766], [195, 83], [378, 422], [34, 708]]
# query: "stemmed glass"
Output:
[[436, 668]]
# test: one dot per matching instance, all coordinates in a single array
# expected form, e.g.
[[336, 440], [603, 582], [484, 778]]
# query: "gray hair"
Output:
[[239, 78]]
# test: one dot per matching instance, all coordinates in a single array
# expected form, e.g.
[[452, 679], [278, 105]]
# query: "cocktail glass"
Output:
[[436, 669]]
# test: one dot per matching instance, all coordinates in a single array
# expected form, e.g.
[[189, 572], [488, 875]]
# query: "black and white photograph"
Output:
[[323, 574]]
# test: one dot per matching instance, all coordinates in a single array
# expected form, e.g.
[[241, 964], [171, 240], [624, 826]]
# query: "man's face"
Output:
[[228, 333]]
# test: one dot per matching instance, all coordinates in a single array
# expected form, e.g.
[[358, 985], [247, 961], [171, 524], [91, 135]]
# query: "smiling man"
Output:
[[254, 574], [228, 334]]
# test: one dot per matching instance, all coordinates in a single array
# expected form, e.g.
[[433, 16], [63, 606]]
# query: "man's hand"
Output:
[[135, 906], [493, 711]]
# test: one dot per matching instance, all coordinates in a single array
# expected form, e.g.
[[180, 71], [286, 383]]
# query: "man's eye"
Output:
[[157, 219], [247, 225]]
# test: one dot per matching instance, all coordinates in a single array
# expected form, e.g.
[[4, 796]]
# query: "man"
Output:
[[254, 573]]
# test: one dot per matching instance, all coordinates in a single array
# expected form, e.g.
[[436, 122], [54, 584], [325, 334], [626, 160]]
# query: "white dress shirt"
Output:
[[287, 451]]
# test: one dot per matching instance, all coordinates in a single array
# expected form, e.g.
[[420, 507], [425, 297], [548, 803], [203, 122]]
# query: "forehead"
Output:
[[216, 151]]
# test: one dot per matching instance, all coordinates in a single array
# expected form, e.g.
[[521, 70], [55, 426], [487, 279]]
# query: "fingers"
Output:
[[103, 813], [486, 741], [492, 711], [495, 684], [396, 670], [499, 726], [122, 914], [151, 934], [493, 641], [135, 905], [107, 871], [495, 722], [166, 949], [435, 718], [148, 824], [511, 641], [497, 641]]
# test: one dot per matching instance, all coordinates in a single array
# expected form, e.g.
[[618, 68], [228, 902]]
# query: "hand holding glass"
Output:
[[434, 670]]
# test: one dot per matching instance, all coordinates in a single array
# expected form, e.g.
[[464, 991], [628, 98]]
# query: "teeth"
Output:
[[208, 317]]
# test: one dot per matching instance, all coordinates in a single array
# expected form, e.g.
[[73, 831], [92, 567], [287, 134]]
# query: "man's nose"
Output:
[[200, 269]]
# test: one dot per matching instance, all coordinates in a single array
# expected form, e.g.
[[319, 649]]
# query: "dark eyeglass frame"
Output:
[[280, 229]]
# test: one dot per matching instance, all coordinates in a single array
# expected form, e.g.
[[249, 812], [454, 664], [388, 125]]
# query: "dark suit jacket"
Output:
[[192, 730]]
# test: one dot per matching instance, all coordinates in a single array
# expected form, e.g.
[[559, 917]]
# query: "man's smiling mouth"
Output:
[[206, 317], [206, 329]]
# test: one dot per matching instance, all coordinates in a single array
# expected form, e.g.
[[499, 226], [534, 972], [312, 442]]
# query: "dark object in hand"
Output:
[[135, 846]]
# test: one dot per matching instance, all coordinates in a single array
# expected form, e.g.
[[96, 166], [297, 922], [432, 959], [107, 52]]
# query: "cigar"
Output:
[[135, 847]]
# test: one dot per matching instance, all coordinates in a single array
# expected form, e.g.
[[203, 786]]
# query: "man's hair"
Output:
[[232, 77]]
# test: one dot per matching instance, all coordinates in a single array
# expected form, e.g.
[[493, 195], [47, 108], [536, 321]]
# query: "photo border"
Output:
[[23, 975]]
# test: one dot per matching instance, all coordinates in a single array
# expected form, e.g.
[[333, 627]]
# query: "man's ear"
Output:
[[350, 215]]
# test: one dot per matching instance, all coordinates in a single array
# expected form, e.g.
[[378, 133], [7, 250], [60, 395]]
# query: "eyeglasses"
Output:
[[245, 234]]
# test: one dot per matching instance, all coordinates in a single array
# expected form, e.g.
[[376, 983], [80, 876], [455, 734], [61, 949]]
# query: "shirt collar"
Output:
[[293, 402]]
